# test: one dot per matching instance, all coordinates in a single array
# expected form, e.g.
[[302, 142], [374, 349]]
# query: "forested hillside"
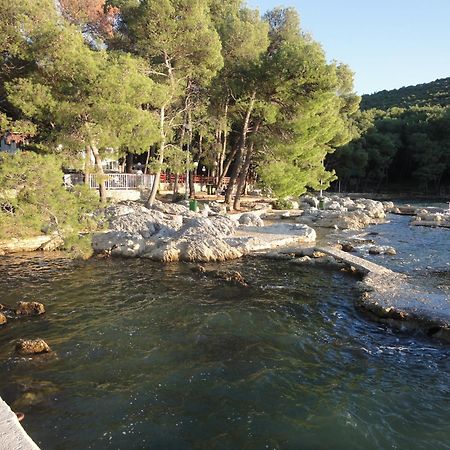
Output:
[[436, 93], [401, 143]]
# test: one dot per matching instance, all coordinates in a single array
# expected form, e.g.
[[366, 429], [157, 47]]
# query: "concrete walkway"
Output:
[[360, 264], [12, 435]]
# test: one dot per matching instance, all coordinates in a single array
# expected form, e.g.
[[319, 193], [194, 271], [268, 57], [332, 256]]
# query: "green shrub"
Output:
[[282, 203], [34, 201]]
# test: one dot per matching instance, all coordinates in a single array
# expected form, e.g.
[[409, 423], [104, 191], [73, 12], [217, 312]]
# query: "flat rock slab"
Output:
[[12, 435], [399, 295], [391, 295], [274, 236]]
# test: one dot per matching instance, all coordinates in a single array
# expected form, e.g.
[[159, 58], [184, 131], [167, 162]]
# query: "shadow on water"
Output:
[[153, 356]]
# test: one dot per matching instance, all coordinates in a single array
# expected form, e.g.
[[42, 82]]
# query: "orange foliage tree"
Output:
[[91, 13]]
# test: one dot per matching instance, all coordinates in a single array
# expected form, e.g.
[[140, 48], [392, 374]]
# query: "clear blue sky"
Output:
[[387, 43]]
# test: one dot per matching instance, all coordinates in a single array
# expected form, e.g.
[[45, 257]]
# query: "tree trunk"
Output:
[[224, 141], [240, 150], [155, 186], [244, 172], [129, 162], [100, 173], [226, 167], [147, 159], [175, 184], [191, 184], [87, 167]]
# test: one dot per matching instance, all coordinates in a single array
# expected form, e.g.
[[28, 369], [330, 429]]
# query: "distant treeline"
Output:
[[401, 144], [436, 93]]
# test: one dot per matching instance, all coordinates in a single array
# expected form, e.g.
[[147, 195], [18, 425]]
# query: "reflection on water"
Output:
[[152, 356]]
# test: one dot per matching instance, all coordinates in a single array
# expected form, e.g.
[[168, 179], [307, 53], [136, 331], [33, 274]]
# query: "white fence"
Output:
[[114, 181]]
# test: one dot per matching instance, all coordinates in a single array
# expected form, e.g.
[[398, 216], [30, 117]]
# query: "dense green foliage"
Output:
[[406, 150], [436, 93], [33, 200], [203, 81]]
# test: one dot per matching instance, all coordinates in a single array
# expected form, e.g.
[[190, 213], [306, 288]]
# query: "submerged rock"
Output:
[[29, 309], [31, 392], [231, 276], [31, 347]]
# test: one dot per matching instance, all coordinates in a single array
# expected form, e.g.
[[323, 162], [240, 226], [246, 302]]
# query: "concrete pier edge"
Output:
[[12, 434]]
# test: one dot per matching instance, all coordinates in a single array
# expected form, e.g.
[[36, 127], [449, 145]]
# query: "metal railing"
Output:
[[113, 181], [125, 181]]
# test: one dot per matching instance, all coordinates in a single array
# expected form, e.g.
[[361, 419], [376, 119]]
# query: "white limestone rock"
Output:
[[118, 243], [251, 219]]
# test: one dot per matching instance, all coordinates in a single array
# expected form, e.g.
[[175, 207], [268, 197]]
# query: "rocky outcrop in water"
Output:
[[29, 309], [432, 217], [173, 233], [382, 250], [26, 347]]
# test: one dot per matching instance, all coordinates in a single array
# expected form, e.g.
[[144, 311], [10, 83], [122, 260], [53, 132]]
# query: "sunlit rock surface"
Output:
[[173, 233]]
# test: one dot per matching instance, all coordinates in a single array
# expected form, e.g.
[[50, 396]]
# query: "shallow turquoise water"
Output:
[[152, 356]]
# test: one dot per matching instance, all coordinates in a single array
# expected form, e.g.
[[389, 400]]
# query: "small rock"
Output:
[[3, 319], [346, 247], [30, 309], [32, 347], [375, 251], [317, 254], [303, 259], [390, 251]]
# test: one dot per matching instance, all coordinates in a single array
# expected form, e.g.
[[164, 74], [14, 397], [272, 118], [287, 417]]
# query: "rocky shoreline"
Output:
[[172, 232]]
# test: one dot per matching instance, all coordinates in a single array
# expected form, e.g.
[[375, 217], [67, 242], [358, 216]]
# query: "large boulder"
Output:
[[353, 220], [173, 208], [137, 219], [199, 239], [251, 220], [207, 249], [25, 347], [217, 226], [29, 309]]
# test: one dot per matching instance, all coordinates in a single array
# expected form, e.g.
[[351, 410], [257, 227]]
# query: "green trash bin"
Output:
[[193, 206], [321, 203]]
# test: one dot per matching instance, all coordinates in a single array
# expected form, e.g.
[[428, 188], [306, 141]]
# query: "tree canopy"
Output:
[[185, 81]]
